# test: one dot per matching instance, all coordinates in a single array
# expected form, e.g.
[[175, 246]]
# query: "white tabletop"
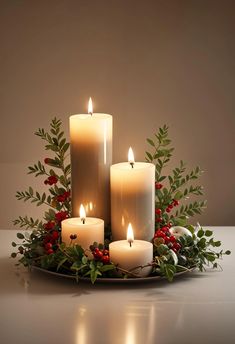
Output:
[[195, 308]]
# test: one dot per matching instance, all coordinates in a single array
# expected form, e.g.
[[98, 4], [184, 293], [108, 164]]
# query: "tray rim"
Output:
[[112, 280]]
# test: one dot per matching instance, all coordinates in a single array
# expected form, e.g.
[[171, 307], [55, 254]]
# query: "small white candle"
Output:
[[86, 229], [129, 254], [133, 198]]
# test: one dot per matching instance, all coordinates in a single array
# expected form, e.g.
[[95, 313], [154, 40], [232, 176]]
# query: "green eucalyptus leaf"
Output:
[[20, 236], [151, 142]]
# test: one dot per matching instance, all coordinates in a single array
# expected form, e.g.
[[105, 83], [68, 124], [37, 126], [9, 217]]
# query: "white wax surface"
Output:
[[133, 199], [139, 254], [92, 230], [91, 157]]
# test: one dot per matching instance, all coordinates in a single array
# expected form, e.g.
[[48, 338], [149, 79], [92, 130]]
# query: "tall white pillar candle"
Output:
[[91, 157], [133, 198], [132, 255]]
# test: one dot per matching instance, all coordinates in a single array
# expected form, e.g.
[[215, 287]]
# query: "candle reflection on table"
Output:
[[124, 327], [81, 332]]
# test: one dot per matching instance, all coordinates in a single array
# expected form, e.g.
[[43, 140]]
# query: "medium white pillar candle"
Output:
[[131, 254], [91, 157], [133, 198], [87, 231]]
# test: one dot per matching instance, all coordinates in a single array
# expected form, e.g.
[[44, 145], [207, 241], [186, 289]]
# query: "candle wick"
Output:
[[91, 113], [132, 164], [130, 242], [83, 221]]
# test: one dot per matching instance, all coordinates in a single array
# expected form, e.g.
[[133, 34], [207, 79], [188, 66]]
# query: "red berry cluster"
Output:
[[170, 206], [63, 197], [50, 242], [60, 216], [173, 204], [51, 180], [167, 238], [49, 225], [101, 255]]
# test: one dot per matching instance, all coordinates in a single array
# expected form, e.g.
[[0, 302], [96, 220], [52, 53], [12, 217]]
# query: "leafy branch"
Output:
[[176, 187], [27, 222], [56, 142], [161, 154], [34, 197], [38, 169], [58, 173]]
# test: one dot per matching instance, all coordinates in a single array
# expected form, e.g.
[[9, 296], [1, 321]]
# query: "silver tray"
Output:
[[112, 279]]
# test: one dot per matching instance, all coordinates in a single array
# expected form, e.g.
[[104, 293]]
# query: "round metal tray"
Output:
[[111, 279]]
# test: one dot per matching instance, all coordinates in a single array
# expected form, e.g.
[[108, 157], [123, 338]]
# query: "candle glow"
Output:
[[82, 214], [90, 106], [131, 158], [130, 234]]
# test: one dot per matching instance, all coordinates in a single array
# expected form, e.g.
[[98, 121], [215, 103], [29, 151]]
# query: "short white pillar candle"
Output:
[[87, 230], [131, 255]]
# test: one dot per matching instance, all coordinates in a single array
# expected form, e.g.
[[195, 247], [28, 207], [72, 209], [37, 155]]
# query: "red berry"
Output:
[[158, 211], [61, 215], [105, 252], [168, 209], [160, 234], [166, 239], [97, 254], [176, 246], [105, 259], [169, 224], [159, 220], [46, 239], [51, 180], [172, 238], [158, 186], [96, 249], [164, 229], [48, 246], [49, 225], [100, 254], [50, 251], [55, 235], [170, 206], [175, 203]]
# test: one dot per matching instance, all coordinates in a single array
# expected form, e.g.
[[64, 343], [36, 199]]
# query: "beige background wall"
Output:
[[146, 62]]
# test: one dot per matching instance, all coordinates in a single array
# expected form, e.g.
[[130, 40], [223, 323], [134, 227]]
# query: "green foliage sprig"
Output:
[[176, 186]]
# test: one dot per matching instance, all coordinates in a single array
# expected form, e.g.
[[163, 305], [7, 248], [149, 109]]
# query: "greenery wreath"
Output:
[[175, 249]]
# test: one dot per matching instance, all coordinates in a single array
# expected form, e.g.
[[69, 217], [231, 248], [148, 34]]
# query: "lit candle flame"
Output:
[[90, 106], [130, 234], [82, 214], [131, 158]]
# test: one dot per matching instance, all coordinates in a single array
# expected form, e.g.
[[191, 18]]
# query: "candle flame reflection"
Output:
[[90, 106], [130, 234], [91, 206], [82, 213], [105, 143], [130, 331], [81, 335]]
